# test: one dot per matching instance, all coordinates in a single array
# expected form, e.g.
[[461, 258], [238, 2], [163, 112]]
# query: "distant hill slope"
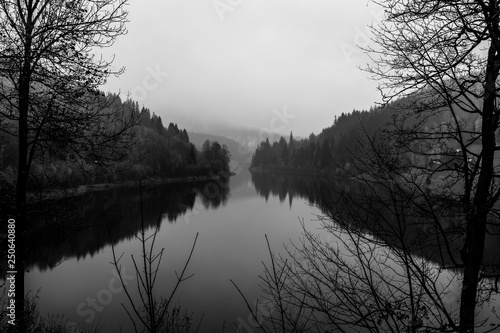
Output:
[[248, 136], [156, 152], [333, 146]]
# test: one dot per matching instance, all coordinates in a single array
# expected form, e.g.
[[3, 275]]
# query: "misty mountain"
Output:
[[248, 137]]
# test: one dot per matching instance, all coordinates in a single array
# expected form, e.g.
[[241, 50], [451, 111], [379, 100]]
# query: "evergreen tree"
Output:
[[285, 155]]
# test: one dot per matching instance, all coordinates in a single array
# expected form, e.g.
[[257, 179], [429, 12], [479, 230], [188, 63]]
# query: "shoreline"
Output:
[[90, 188], [294, 171]]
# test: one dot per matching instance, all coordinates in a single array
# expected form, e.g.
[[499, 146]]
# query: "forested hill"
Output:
[[331, 149], [327, 150], [167, 152], [155, 151]]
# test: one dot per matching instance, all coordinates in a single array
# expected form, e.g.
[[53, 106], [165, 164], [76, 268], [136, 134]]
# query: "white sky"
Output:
[[236, 64]]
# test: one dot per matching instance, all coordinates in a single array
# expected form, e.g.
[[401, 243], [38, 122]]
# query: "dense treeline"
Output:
[[327, 151], [332, 149], [167, 152], [157, 152], [240, 154]]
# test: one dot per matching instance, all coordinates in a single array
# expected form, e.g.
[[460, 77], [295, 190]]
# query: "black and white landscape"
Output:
[[249, 166]]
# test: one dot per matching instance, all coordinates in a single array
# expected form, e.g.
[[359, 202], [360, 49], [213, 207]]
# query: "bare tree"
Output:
[[151, 313], [426, 189], [388, 257], [446, 54], [49, 76]]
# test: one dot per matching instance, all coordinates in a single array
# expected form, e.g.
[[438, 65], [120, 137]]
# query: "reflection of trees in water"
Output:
[[300, 186], [213, 194], [280, 185], [380, 217], [78, 226], [380, 263]]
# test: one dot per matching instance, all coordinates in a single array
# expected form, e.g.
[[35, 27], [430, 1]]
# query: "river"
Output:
[[73, 274]]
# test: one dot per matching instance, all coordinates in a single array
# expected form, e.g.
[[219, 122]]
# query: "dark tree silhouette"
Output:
[[435, 50], [49, 76], [428, 194]]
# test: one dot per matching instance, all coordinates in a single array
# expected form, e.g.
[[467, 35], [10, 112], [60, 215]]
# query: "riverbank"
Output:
[[89, 188], [295, 171], [442, 183]]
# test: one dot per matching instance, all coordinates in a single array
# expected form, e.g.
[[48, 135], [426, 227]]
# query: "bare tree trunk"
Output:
[[21, 212], [476, 220], [35, 33], [23, 170]]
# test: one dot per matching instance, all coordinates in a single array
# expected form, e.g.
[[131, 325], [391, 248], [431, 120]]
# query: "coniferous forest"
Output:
[[157, 152], [329, 151]]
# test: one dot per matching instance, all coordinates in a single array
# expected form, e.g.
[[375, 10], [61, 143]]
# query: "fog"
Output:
[[238, 62]]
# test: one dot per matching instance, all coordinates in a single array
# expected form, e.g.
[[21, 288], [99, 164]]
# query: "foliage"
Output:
[[431, 174], [156, 152], [167, 152], [327, 151], [49, 101]]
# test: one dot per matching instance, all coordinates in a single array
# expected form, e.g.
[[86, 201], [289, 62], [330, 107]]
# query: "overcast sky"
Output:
[[243, 62]]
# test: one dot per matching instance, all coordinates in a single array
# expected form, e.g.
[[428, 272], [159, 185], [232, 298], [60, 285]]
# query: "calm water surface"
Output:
[[74, 276]]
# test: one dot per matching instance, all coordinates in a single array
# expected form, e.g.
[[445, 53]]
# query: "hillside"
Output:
[[156, 151], [328, 150], [331, 149]]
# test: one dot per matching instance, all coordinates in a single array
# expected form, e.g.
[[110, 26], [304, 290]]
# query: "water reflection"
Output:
[[232, 227], [312, 188], [84, 225], [388, 227], [380, 215], [232, 244]]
